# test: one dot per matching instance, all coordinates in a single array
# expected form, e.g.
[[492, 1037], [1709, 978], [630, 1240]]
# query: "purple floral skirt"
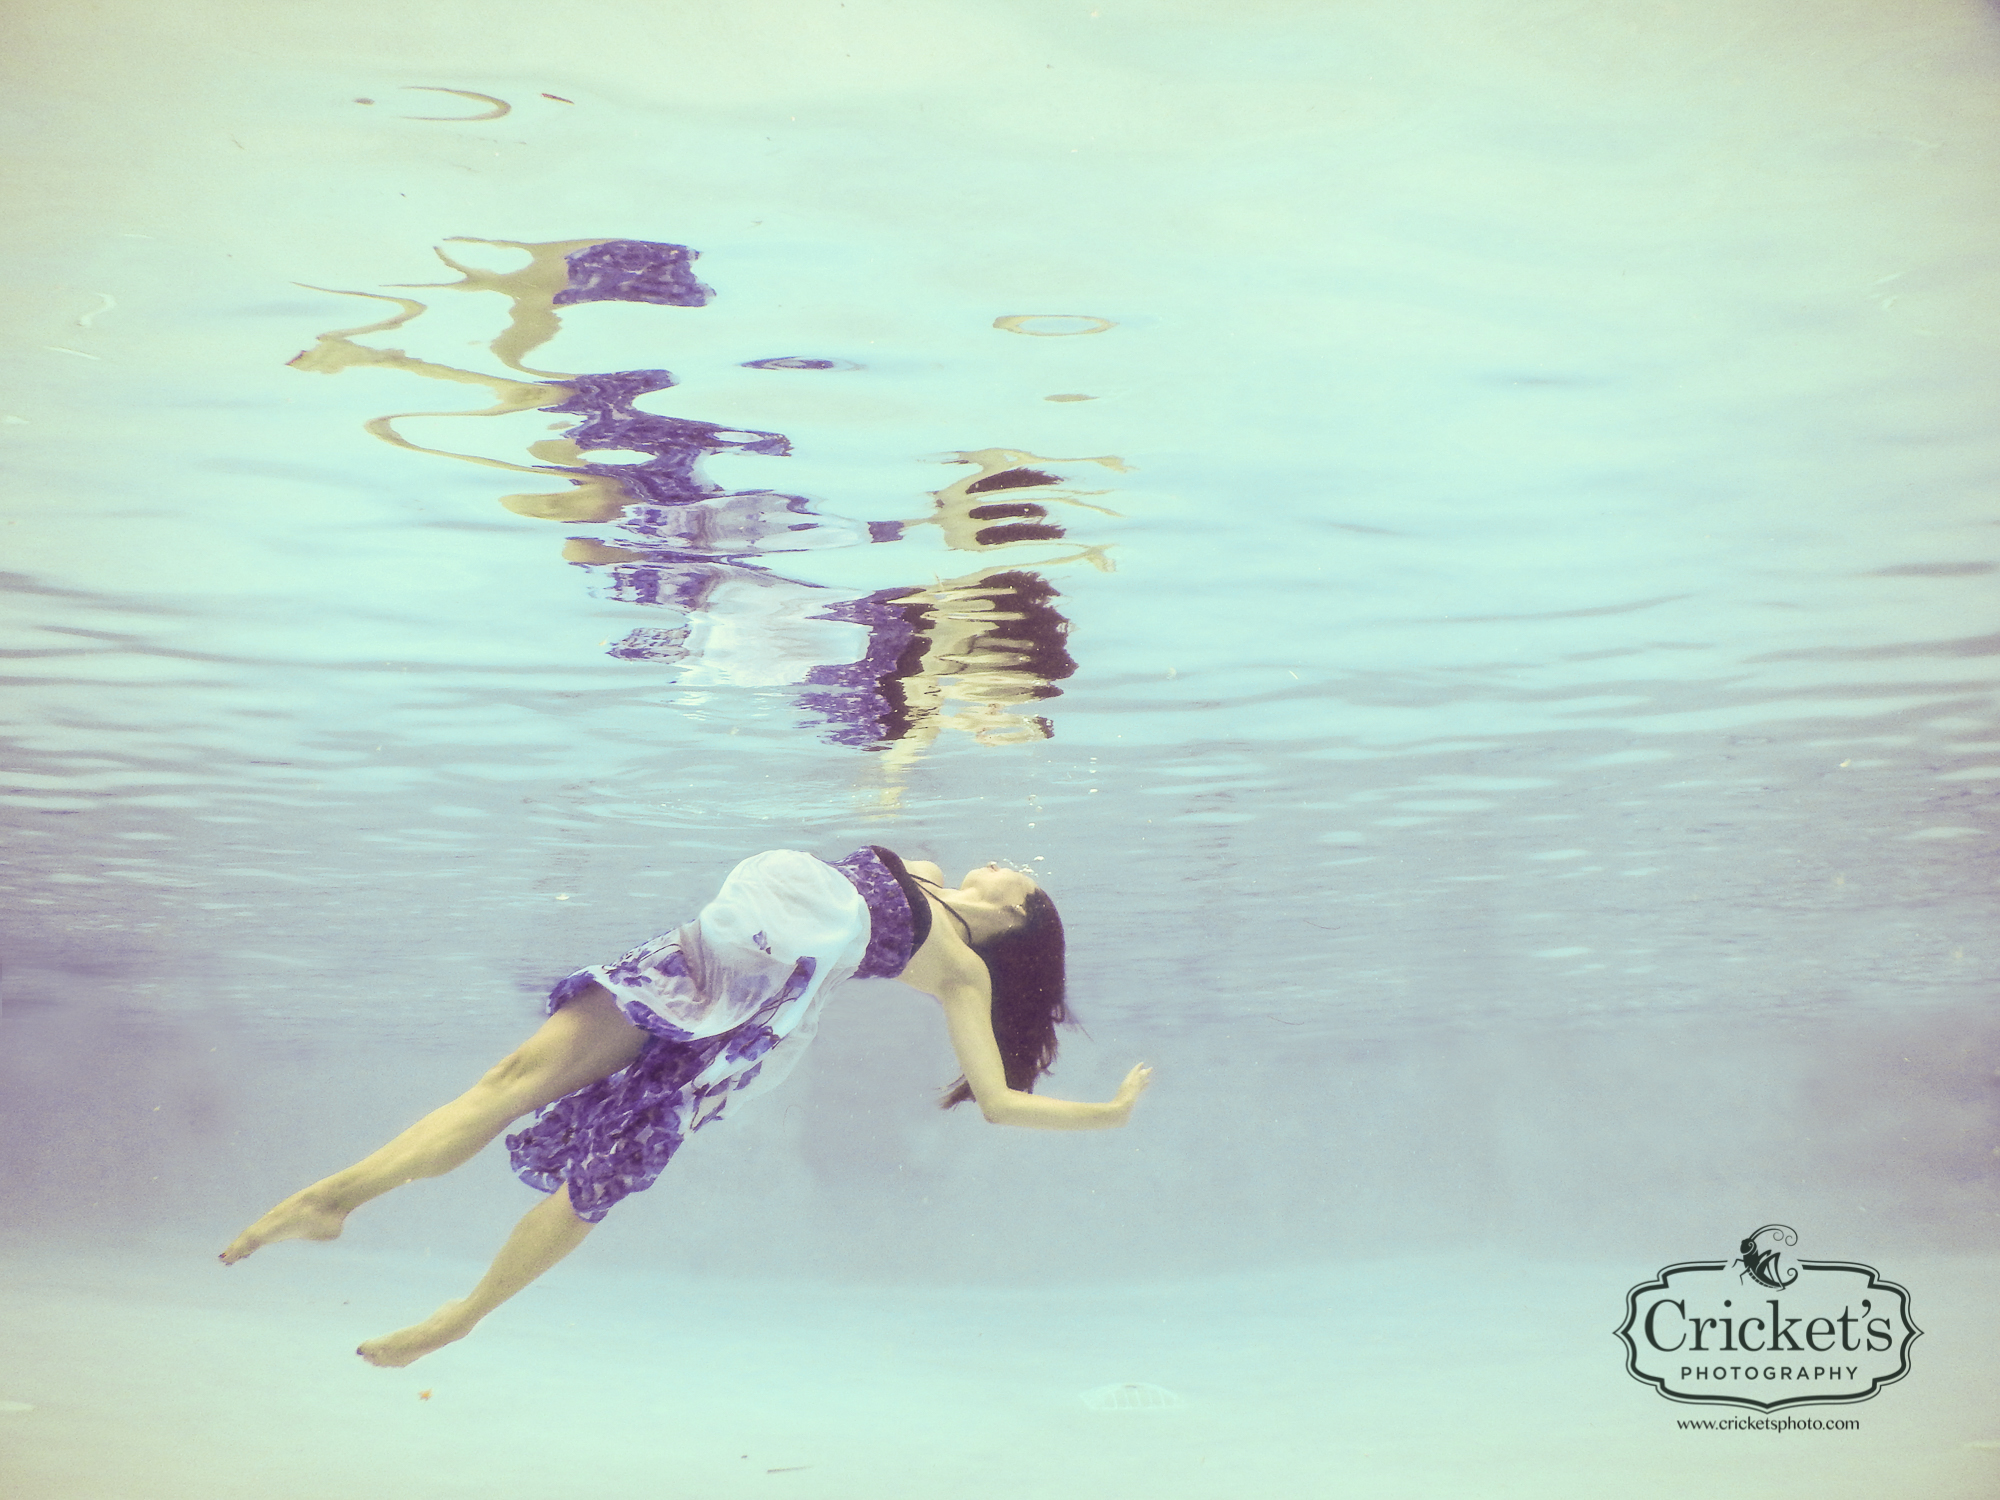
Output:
[[729, 1001]]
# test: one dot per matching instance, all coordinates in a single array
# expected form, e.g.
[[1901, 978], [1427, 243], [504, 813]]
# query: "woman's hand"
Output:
[[1128, 1092]]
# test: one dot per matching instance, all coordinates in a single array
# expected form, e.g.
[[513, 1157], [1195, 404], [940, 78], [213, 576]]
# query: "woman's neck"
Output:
[[937, 893]]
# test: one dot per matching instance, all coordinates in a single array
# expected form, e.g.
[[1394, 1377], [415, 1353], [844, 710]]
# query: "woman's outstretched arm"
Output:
[[968, 1015]]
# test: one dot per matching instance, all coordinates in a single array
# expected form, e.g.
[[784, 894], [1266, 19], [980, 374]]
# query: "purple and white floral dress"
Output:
[[731, 1000]]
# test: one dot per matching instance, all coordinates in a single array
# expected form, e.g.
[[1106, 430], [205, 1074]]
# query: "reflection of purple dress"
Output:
[[633, 271], [730, 999]]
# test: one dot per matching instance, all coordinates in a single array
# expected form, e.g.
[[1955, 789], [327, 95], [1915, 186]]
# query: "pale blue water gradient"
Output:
[[1527, 781]]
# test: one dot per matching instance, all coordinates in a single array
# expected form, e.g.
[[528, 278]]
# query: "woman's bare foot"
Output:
[[447, 1325], [306, 1215]]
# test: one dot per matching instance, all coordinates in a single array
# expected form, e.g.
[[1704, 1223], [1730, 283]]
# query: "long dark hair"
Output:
[[1026, 967]]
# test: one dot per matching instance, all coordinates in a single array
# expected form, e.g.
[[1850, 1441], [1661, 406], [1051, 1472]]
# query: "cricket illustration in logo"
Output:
[[1760, 1262]]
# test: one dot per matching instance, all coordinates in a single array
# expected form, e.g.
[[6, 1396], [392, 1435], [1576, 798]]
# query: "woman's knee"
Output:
[[510, 1072], [512, 1085], [578, 1045]]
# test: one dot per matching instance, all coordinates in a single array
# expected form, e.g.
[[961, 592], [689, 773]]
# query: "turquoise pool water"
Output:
[[1456, 539]]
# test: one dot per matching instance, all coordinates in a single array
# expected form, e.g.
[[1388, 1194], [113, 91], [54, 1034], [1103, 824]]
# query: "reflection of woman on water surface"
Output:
[[637, 1053]]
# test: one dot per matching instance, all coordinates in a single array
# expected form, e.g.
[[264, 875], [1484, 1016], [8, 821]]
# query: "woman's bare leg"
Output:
[[588, 1039], [546, 1233]]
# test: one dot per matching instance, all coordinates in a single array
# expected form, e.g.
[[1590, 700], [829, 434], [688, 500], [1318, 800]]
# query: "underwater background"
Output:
[[1457, 538]]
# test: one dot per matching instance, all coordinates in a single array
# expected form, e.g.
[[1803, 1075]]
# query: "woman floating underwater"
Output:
[[638, 1053]]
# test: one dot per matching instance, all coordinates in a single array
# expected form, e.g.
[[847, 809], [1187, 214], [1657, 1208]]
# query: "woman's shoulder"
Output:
[[894, 859], [923, 869]]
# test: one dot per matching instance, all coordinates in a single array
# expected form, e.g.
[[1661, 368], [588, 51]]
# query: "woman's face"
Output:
[[998, 886]]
